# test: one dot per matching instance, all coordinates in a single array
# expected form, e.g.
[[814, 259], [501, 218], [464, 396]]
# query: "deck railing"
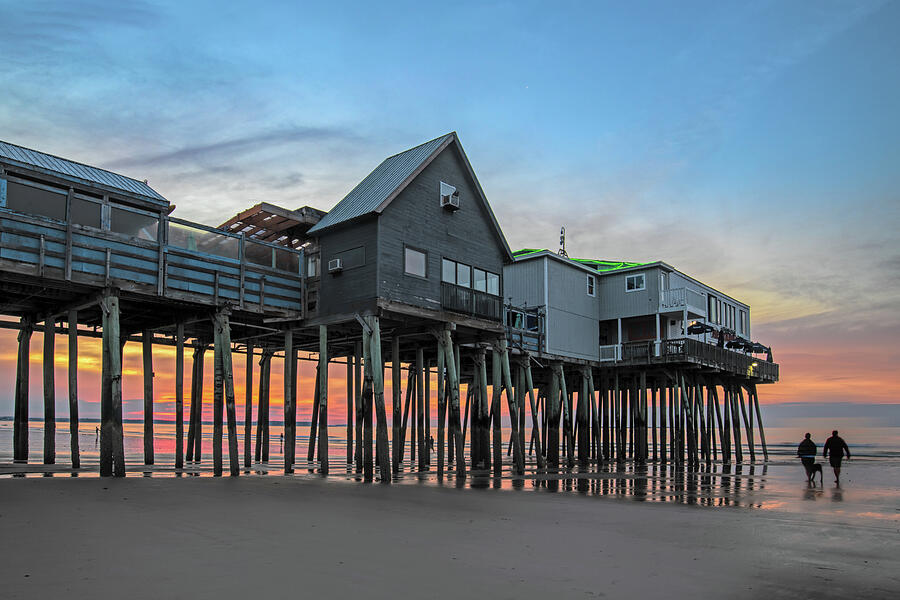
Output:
[[166, 257], [680, 297], [470, 302], [700, 352]]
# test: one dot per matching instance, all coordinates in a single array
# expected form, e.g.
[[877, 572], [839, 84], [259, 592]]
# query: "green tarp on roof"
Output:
[[599, 265]]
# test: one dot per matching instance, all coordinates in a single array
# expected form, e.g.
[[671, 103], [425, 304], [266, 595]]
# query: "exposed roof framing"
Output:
[[269, 223]]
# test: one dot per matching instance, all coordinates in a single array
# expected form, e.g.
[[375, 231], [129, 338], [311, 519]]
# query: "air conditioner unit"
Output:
[[449, 197], [335, 265]]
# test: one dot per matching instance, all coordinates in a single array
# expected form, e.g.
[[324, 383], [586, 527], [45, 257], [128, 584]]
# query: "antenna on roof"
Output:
[[562, 242]]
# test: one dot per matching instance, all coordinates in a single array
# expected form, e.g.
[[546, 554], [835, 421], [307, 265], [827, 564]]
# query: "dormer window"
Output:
[[449, 197]]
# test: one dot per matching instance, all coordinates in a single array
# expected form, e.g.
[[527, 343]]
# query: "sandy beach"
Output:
[[275, 537]]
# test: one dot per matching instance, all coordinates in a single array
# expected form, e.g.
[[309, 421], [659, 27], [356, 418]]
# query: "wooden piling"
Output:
[[223, 330], [663, 423], [428, 413], [420, 405], [382, 444], [179, 395], [350, 387], [365, 416], [218, 402], [248, 406], [748, 425], [112, 446], [442, 405], [323, 399], [147, 371], [314, 418], [396, 441], [73, 389], [453, 382], [762, 433], [20, 423], [654, 420], [553, 419], [194, 435], [584, 428], [290, 365], [535, 425], [262, 412], [49, 369], [496, 431], [358, 402], [484, 411]]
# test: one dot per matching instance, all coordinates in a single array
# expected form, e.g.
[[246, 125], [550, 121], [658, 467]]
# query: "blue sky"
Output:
[[753, 145]]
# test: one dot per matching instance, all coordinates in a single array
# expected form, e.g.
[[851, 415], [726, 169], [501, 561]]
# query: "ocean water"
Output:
[[869, 490]]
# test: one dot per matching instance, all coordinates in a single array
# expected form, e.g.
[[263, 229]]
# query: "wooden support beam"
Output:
[[73, 389], [762, 433], [193, 437], [453, 382], [553, 420], [420, 405], [567, 419], [112, 446], [20, 423], [179, 395], [442, 405], [218, 402], [223, 324], [382, 444], [147, 371], [497, 433], [350, 387], [314, 418], [582, 415], [357, 402], [290, 409], [366, 403], [248, 406], [49, 369], [748, 425], [397, 415], [428, 439], [323, 399], [535, 425]]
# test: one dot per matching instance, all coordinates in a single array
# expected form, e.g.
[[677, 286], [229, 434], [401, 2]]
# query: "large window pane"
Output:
[[463, 275], [414, 262], [493, 284], [256, 254], [85, 212], [448, 271], [35, 201], [480, 281], [132, 224], [286, 260], [201, 240]]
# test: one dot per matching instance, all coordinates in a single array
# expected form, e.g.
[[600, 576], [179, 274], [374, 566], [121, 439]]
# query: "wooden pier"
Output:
[[401, 278]]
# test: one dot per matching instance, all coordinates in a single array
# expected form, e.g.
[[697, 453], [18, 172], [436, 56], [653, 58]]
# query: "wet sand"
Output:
[[274, 536]]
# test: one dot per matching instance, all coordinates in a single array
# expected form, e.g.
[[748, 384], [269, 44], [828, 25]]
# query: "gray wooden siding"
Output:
[[415, 218], [354, 289], [573, 316], [523, 283], [615, 302]]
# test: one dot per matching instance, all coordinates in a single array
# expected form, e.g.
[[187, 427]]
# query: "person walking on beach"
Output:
[[807, 451], [836, 446]]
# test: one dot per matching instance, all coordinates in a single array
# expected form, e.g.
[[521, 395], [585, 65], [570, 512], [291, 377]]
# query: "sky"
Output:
[[751, 145]]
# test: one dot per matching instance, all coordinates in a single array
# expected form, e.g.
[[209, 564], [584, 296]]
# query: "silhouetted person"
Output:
[[431, 443], [807, 451], [835, 446]]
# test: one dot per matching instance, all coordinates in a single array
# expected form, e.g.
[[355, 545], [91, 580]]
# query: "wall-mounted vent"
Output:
[[335, 265], [449, 197]]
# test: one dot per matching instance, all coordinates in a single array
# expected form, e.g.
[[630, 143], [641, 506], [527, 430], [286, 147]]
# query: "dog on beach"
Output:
[[811, 471]]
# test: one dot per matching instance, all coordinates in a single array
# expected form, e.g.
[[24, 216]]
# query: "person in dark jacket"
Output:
[[836, 447], [807, 451]]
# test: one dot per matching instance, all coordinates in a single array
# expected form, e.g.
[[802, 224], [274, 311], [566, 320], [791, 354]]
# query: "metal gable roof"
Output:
[[74, 170], [380, 184]]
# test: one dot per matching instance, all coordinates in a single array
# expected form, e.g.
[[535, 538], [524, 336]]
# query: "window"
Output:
[[133, 224], [466, 276], [36, 201], [493, 284], [634, 283], [590, 285], [711, 309], [463, 275], [448, 271], [85, 212], [414, 262], [742, 324], [718, 312], [312, 266], [480, 281]]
